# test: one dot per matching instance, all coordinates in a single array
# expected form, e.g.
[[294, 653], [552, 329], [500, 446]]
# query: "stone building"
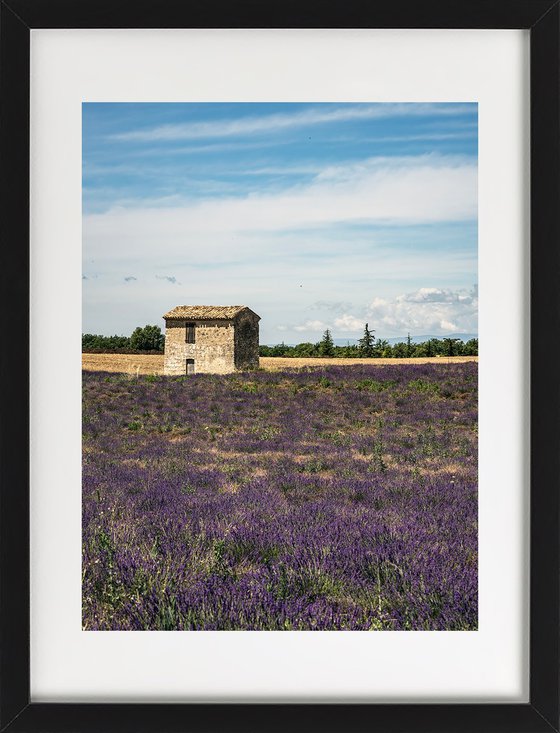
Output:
[[211, 338]]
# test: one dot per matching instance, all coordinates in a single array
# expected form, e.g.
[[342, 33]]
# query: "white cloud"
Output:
[[274, 122], [403, 191], [311, 326], [438, 295], [292, 251], [349, 323], [426, 311]]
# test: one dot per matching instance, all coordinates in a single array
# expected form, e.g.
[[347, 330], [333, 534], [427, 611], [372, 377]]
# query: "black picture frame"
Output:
[[17, 19]]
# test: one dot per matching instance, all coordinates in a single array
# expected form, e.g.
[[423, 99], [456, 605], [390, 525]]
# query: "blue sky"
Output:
[[314, 215]]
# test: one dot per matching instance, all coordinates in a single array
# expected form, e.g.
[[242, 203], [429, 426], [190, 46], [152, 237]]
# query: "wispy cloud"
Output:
[[330, 305], [401, 191], [274, 122], [304, 211], [426, 137], [197, 149]]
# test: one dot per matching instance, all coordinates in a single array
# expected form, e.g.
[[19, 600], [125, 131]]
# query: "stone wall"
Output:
[[247, 341], [213, 351]]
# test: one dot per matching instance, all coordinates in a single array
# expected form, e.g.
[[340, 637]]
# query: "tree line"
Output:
[[150, 340], [371, 347], [143, 340]]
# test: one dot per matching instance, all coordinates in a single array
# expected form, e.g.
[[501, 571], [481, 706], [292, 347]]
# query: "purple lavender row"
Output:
[[328, 498]]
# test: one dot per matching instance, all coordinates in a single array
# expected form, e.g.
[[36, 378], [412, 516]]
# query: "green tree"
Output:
[[382, 348], [305, 349], [438, 347], [471, 347], [408, 346], [326, 345], [366, 343], [419, 349], [97, 342], [399, 350], [351, 351], [450, 346], [279, 349], [148, 338]]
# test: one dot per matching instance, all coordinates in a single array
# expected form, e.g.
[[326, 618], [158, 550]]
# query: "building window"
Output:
[[189, 338], [190, 366]]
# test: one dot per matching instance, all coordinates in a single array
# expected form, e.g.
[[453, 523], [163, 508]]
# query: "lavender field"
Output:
[[338, 497]]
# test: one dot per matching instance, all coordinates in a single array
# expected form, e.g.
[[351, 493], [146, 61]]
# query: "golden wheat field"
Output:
[[153, 364]]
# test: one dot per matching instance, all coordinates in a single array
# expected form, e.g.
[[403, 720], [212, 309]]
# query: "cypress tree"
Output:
[[366, 342], [326, 345]]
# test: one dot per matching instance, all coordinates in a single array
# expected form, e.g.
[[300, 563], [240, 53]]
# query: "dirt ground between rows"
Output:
[[153, 363]]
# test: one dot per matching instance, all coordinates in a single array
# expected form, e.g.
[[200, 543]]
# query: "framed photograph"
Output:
[[280, 446]]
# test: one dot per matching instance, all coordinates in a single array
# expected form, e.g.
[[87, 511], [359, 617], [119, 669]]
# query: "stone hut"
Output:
[[215, 339]]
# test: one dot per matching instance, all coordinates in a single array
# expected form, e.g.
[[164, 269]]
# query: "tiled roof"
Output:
[[205, 312]]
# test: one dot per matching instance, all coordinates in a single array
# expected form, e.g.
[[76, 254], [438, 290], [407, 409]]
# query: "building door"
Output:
[[190, 366]]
